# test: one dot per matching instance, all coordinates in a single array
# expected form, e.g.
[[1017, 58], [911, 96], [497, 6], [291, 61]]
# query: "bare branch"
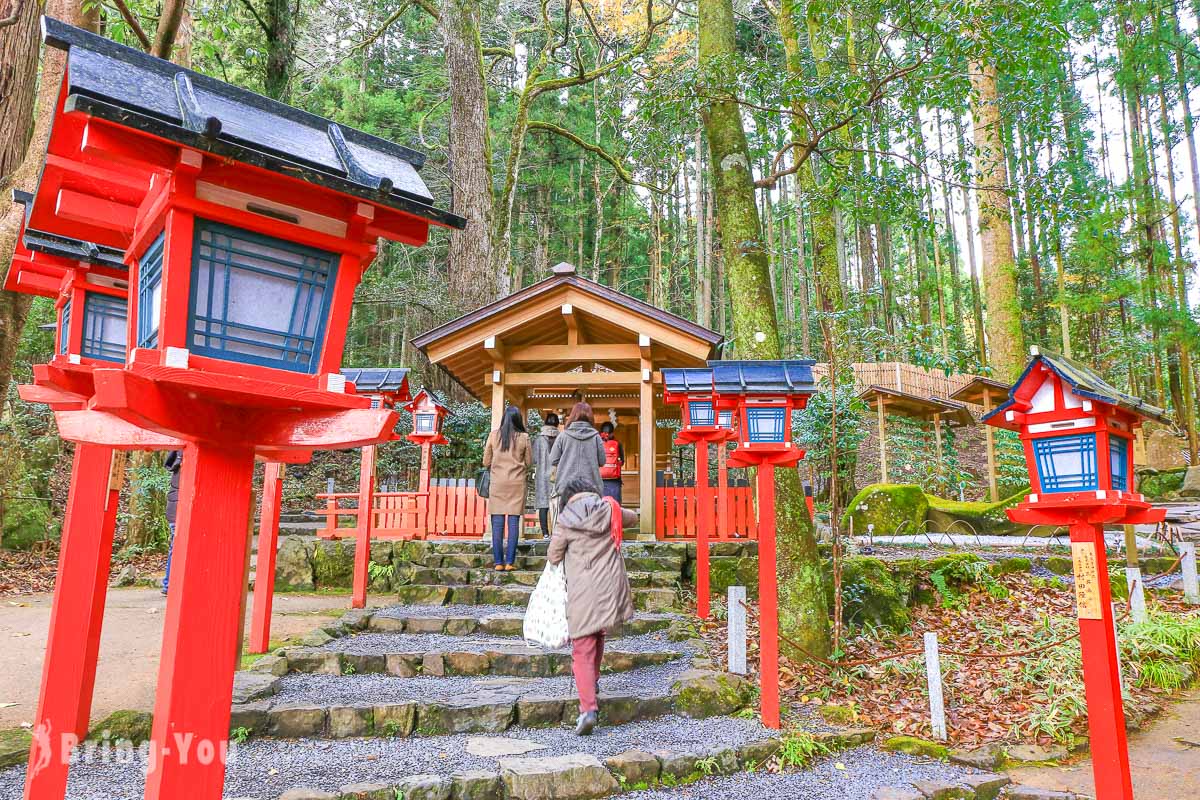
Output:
[[133, 24], [429, 8], [11, 19], [257, 18]]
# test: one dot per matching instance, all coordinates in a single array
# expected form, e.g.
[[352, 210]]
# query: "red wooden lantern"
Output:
[[762, 396], [1077, 431], [246, 225], [428, 418]]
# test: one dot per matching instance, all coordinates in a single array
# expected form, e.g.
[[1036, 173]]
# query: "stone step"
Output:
[[410, 655], [638, 563], [485, 620], [513, 595], [461, 576]]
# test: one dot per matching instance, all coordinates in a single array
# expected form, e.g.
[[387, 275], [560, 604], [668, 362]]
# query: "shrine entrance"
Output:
[[566, 339]]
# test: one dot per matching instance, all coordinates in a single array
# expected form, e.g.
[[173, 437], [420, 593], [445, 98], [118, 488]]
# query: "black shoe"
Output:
[[587, 723]]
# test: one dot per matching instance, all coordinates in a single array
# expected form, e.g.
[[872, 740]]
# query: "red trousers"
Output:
[[586, 654]]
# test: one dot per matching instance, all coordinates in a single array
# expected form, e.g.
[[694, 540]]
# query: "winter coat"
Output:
[[543, 484], [598, 594], [173, 464], [510, 469], [578, 452]]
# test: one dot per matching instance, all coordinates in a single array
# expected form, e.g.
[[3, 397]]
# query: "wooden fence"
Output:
[[904, 377], [677, 510]]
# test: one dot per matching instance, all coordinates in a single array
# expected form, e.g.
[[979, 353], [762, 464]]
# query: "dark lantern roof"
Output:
[[64, 246], [127, 87], [369, 380], [763, 377], [683, 380], [433, 396], [1083, 381]]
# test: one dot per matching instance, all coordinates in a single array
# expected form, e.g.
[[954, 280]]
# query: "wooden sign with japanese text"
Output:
[[1087, 581]]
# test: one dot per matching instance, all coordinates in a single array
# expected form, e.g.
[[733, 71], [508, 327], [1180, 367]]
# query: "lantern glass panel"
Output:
[[700, 412], [426, 423], [725, 419], [64, 329], [149, 296], [1066, 463], [1118, 459], [765, 424], [104, 319], [258, 299]]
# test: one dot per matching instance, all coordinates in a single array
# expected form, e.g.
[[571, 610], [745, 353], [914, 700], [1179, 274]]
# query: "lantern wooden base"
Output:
[[76, 616]]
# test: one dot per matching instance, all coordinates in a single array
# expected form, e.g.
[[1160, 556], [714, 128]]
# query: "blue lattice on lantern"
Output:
[[1066, 463], [104, 319], [725, 419], [64, 329], [257, 299], [426, 423], [149, 294], [700, 413], [1118, 459], [765, 424]]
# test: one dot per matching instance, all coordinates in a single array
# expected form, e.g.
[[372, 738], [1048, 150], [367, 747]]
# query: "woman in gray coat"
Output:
[[587, 537], [543, 483], [578, 451]]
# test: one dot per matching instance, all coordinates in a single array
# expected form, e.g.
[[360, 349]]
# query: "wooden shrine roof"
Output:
[[531, 328], [371, 380], [763, 377], [64, 246], [978, 388], [127, 87], [911, 405]]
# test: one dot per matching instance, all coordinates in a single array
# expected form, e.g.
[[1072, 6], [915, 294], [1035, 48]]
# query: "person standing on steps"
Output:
[[578, 451], [543, 480], [587, 537], [509, 456], [614, 460], [173, 463]]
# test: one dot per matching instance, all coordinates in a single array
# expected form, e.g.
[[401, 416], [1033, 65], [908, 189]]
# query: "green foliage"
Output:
[[240, 735], [798, 749], [956, 573]]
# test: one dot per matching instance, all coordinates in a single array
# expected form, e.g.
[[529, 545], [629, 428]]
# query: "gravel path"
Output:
[[264, 769], [329, 690], [384, 643], [478, 612], [864, 770]]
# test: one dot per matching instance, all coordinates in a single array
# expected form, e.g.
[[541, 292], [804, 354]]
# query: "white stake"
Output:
[[736, 629], [1137, 597], [933, 674], [1191, 590], [1117, 648]]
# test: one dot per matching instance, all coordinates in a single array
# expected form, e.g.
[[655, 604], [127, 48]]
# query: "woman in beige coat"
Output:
[[587, 536], [508, 455]]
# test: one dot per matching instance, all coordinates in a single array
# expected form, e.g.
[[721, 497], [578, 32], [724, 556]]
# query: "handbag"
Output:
[[483, 483], [546, 615]]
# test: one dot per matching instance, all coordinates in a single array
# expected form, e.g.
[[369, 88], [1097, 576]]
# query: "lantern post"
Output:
[[1077, 432], [762, 396], [244, 236], [691, 388]]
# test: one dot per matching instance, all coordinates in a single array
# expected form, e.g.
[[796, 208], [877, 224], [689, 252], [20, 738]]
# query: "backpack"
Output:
[[612, 460]]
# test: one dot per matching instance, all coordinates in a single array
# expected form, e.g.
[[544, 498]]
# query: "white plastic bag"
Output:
[[546, 615]]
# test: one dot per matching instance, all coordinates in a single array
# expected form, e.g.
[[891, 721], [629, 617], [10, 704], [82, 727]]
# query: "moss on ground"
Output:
[[1160, 483], [14, 747], [130, 726], [887, 508], [914, 746], [871, 593], [952, 516]]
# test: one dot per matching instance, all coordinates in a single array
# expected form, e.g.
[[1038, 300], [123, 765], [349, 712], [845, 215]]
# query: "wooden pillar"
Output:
[[423, 485], [883, 470], [704, 524], [993, 492], [366, 521], [76, 615], [264, 572], [723, 529], [646, 460], [201, 625], [937, 439], [768, 599], [496, 378]]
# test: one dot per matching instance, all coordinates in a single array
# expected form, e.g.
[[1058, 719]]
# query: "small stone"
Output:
[[540, 712], [357, 619], [476, 785], [348, 721], [306, 659], [986, 786], [1034, 793], [468, 716], [500, 746], [467, 663], [317, 638], [250, 716], [578, 776], [500, 625], [634, 766], [617, 710], [251, 686], [724, 760], [943, 790], [304, 793], [273, 665], [753, 754], [127, 576], [424, 787], [461, 626], [363, 663], [915, 746], [397, 719], [619, 662], [422, 595], [383, 624], [433, 664], [1027, 753], [988, 756], [403, 665], [699, 694], [677, 765], [425, 625], [896, 793], [366, 791], [296, 722]]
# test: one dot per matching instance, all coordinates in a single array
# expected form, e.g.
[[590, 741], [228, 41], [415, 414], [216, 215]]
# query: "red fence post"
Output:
[[723, 528], [264, 571], [366, 519], [1101, 669], [69, 669], [704, 523], [768, 598], [203, 621]]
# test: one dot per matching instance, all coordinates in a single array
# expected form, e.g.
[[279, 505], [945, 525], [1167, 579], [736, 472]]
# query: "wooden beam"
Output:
[[497, 380], [569, 317], [87, 209], [573, 353], [644, 346], [494, 348], [646, 461], [573, 379]]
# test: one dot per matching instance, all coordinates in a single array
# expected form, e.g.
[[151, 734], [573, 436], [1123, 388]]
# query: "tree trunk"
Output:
[[1006, 345]]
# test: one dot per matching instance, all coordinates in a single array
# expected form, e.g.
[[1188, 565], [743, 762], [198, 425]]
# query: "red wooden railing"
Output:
[[676, 510]]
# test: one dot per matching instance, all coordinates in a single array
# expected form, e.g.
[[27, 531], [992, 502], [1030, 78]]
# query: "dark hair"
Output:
[[607, 427], [552, 419], [572, 487], [510, 426], [581, 412]]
